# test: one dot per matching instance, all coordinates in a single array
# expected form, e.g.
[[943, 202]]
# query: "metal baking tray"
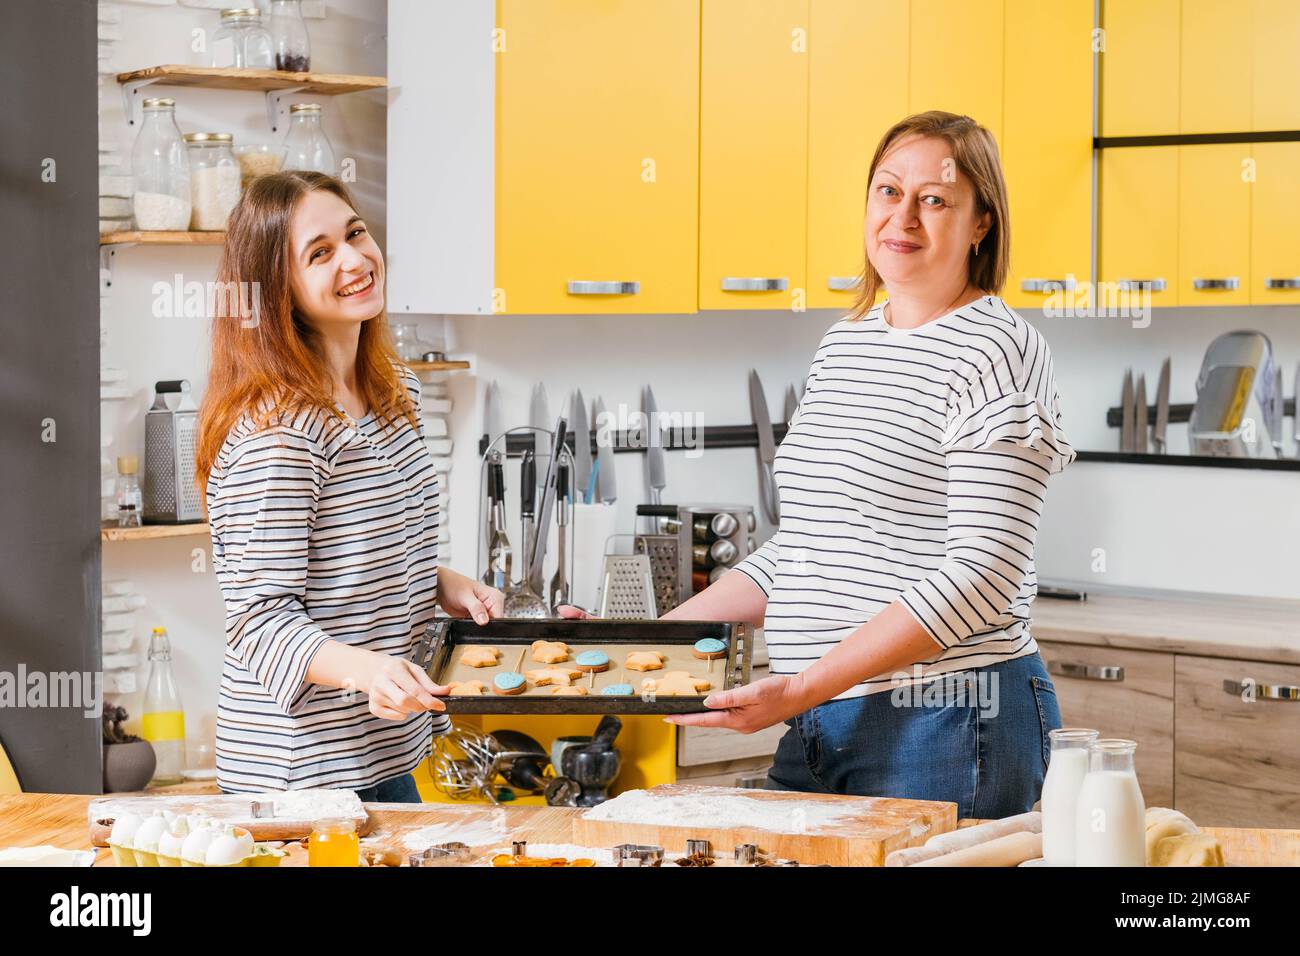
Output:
[[435, 653]]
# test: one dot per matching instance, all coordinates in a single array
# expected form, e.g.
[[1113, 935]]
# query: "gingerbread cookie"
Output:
[[554, 675], [468, 688], [592, 661], [645, 661], [509, 683], [550, 652], [709, 648], [675, 684], [476, 656], [569, 691]]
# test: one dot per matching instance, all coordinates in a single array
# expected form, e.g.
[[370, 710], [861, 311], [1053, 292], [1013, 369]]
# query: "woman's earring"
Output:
[[977, 247]]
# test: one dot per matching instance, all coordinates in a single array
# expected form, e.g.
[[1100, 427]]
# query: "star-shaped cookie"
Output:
[[553, 675], [468, 688], [645, 661], [571, 690], [676, 684], [550, 652], [477, 656]]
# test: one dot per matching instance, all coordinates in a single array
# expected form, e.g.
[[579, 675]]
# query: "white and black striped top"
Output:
[[320, 531], [914, 470]]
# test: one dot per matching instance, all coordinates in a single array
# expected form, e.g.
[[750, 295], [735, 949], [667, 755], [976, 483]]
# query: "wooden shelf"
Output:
[[114, 533], [163, 238], [265, 81], [448, 366]]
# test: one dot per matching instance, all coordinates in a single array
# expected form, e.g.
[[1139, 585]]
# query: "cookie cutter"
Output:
[[441, 854], [263, 809], [637, 854]]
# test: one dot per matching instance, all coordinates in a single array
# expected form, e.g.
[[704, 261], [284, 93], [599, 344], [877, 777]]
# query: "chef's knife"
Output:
[[654, 456], [606, 486], [1126, 411], [791, 404], [1140, 415], [539, 416], [547, 505], [1159, 444], [766, 448], [492, 426], [581, 478]]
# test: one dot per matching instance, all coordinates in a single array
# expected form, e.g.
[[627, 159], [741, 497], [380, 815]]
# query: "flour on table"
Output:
[[570, 851], [719, 811], [316, 804], [477, 832]]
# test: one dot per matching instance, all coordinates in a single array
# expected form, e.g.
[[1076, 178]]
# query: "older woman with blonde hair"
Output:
[[896, 593]]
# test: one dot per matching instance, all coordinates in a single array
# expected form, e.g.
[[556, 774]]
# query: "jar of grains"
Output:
[[161, 171], [214, 179]]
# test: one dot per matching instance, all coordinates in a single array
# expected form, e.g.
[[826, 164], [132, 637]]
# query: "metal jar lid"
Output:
[[160, 103], [215, 139], [304, 108], [241, 13]]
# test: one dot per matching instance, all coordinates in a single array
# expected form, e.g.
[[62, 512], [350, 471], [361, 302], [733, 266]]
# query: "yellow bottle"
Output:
[[164, 719]]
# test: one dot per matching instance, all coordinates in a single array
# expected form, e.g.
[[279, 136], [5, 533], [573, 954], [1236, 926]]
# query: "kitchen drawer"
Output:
[[750, 772], [1139, 707], [1238, 761]]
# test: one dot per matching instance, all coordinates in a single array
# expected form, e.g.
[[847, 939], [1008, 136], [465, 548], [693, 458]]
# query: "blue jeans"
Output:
[[978, 739], [393, 790]]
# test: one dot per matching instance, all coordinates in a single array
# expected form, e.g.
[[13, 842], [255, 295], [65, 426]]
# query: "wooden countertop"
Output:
[[1260, 629], [32, 819]]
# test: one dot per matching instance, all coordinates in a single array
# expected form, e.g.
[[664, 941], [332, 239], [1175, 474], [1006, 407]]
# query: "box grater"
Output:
[[627, 592], [661, 549], [171, 495]]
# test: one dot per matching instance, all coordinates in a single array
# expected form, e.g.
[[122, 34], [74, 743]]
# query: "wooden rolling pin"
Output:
[[1010, 850], [1031, 822]]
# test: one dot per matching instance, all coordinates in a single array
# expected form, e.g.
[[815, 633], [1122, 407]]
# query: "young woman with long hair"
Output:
[[324, 508]]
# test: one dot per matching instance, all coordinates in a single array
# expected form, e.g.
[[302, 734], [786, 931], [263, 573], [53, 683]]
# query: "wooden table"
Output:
[[31, 819]]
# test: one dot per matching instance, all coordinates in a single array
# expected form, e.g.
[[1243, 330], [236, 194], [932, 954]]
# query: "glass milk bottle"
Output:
[[308, 147], [164, 718], [1110, 818], [1065, 773], [161, 171]]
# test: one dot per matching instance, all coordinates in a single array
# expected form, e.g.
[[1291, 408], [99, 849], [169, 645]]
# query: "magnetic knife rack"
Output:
[[671, 439], [1181, 413]]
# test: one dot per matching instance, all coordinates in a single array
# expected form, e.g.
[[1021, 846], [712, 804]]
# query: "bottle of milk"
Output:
[[1065, 773], [1110, 817]]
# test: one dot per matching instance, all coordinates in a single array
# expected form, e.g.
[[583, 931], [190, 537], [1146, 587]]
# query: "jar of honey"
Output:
[[334, 842]]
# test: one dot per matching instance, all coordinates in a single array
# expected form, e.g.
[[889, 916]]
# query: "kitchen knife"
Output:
[[654, 456], [1279, 410], [766, 448], [581, 478], [1140, 415], [1158, 442], [1126, 410], [606, 486], [492, 426], [539, 416], [547, 500], [791, 404]]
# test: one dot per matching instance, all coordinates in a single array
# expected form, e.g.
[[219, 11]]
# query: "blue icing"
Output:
[[592, 659], [618, 690], [710, 645], [509, 680]]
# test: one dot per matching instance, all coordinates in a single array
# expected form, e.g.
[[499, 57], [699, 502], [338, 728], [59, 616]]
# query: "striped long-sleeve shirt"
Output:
[[322, 529], [914, 470]]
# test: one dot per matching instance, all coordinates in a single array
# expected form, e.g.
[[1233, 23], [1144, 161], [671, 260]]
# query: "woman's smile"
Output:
[[901, 245], [362, 286]]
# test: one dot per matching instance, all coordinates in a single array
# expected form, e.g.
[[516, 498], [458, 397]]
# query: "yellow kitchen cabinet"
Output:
[[956, 58], [597, 146], [1139, 221], [1275, 64], [1275, 240], [857, 89], [1217, 41], [753, 153], [1140, 75], [1047, 148], [1214, 224]]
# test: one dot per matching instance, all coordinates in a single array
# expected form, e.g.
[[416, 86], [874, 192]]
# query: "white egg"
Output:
[[179, 826], [195, 847], [146, 838], [225, 850], [170, 844], [124, 828]]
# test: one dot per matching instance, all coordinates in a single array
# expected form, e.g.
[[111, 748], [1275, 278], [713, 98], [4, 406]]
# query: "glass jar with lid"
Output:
[[289, 34], [309, 147], [214, 179], [242, 42], [160, 170]]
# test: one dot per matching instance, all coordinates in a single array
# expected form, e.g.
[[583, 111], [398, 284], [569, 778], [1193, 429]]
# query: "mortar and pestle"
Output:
[[594, 766]]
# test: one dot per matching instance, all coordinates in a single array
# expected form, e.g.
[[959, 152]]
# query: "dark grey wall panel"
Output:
[[49, 377]]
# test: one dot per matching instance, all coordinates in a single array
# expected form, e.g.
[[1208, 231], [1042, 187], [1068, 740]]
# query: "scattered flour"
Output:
[[485, 829], [708, 810], [570, 851], [316, 804]]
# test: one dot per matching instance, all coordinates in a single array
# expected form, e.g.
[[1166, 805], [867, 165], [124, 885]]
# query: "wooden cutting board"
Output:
[[233, 809], [793, 826]]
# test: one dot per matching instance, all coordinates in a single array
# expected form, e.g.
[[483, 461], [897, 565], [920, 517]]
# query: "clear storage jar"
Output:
[[160, 170], [289, 35], [214, 180], [308, 146], [242, 42]]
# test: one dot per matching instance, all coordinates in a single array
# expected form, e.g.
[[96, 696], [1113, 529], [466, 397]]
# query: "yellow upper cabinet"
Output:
[[956, 59], [1140, 67], [1275, 99], [1275, 240], [753, 153], [1139, 220], [857, 89], [1214, 224], [1047, 145], [597, 150], [1217, 38]]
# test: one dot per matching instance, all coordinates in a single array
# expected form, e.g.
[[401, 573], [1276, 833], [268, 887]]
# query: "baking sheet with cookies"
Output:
[[555, 674]]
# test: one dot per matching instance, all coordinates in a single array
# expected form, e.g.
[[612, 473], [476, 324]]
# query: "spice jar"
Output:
[[289, 35], [308, 146], [214, 180], [161, 171], [242, 42]]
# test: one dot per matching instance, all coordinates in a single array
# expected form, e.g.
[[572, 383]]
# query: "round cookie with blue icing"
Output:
[[509, 683], [709, 648], [592, 661], [618, 690]]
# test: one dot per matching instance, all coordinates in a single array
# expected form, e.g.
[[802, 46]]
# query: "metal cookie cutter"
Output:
[[636, 854], [441, 854], [263, 809]]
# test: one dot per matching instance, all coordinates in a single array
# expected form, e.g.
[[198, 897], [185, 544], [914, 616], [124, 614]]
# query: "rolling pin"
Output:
[[1031, 822], [1010, 850]]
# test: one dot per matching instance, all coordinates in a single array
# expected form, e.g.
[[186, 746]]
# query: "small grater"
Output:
[[171, 495], [627, 591], [662, 551]]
